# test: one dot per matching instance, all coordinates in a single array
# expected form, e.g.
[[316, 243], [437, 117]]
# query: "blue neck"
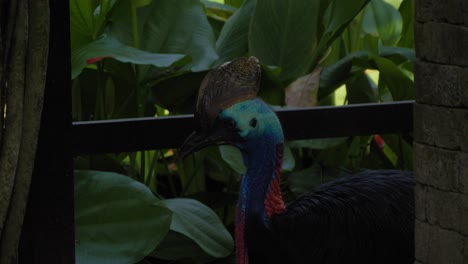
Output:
[[262, 151], [261, 162]]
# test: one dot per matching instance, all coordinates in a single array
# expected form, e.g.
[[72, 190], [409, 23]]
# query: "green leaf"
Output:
[[397, 54], [81, 22], [232, 41], [271, 87], [400, 85], [125, 100], [359, 90], [336, 74], [118, 220], [87, 20], [288, 161], [337, 17], [285, 33], [177, 94], [198, 222], [390, 155], [176, 246], [339, 13], [141, 3], [356, 151], [216, 26], [167, 26], [192, 173], [383, 20], [407, 34], [335, 156], [110, 47], [232, 156], [235, 3], [394, 3], [402, 149], [218, 11]]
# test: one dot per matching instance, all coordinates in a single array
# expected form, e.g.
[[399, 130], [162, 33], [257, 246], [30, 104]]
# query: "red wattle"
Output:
[[274, 203]]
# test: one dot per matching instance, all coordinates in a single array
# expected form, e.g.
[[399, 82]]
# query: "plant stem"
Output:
[[151, 171], [192, 176], [169, 174], [99, 109], [136, 41], [142, 174], [132, 157]]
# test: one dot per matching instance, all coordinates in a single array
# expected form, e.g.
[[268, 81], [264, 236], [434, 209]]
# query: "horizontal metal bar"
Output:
[[126, 135]]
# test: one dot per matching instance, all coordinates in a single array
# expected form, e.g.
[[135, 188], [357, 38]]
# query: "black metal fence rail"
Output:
[[125, 135]]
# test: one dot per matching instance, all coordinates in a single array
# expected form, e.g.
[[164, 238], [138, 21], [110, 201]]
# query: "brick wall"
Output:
[[441, 131]]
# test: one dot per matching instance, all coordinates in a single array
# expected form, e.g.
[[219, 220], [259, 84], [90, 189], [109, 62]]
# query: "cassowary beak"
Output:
[[198, 140]]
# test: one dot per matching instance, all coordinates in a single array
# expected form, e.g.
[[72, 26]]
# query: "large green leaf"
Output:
[[118, 220], [398, 54], [359, 89], [402, 149], [192, 173], [357, 151], [339, 13], [177, 94], [87, 20], [81, 22], [399, 84], [383, 20], [336, 18], [338, 73], [176, 246], [288, 159], [271, 87], [285, 33], [198, 222], [218, 11], [167, 26], [407, 34], [111, 47], [93, 96], [232, 156], [235, 3], [232, 41]]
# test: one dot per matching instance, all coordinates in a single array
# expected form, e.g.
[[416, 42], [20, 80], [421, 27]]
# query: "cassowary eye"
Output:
[[253, 122]]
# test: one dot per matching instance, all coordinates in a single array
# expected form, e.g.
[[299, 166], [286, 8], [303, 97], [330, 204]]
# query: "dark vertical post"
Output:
[[440, 131], [48, 233]]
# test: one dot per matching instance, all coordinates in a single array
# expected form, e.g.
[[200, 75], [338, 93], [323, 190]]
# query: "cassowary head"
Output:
[[227, 111]]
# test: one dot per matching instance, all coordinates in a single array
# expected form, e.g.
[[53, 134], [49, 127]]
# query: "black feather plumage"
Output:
[[370, 212]]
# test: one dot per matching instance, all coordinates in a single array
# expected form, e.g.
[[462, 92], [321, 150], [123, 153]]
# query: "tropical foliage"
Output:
[[147, 58]]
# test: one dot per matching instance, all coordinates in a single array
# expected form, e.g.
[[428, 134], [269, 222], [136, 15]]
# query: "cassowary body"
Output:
[[364, 218]]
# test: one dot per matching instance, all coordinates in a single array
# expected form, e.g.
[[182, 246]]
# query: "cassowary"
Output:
[[364, 218]]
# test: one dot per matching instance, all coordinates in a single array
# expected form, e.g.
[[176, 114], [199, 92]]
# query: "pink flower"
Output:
[[95, 59], [379, 141]]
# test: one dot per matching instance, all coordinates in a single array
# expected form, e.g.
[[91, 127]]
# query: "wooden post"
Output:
[[48, 232]]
